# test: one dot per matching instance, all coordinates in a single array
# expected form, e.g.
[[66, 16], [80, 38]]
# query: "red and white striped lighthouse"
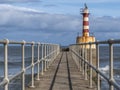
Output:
[[85, 13], [85, 38]]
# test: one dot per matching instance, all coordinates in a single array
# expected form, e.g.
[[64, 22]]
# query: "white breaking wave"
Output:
[[105, 69]]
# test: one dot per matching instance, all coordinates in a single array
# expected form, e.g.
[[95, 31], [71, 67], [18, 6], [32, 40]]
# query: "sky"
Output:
[[57, 21]]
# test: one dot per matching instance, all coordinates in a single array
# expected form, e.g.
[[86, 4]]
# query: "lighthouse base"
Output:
[[86, 39]]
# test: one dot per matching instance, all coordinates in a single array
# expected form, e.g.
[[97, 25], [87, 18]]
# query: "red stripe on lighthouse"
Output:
[[85, 23], [85, 30], [85, 14]]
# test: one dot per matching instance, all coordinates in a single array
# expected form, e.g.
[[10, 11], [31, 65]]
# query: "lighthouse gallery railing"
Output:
[[79, 53], [48, 54]]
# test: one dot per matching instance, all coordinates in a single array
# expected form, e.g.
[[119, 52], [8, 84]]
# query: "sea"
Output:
[[14, 65], [104, 65]]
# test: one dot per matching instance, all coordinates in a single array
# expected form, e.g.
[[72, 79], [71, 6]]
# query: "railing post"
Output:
[[83, 59], [42, 59], [52, 49], [97, 58], [32, 69], [38, 60], [6, 63], [75, 49], [58, 49], [53, 52], [80, 58], [86, 61], [23, 65], [90, 53], [45, 57], [48, 54], [111, 63]]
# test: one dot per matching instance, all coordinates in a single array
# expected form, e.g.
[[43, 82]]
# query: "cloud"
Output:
[[98, 1], [106, 24], [29, 23], [20, 1], [105, 27], [84, 1], [18, 23]]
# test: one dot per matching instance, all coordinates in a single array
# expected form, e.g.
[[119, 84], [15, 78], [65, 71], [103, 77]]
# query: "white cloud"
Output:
[[8, 7], [14, 1], [23, 23], [20, 21]]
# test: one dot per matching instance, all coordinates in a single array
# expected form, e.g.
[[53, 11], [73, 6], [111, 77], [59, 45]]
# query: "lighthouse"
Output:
[[85, 38], [85, 14]]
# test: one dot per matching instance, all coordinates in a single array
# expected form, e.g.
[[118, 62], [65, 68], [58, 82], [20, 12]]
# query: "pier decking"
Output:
[[63, 74]]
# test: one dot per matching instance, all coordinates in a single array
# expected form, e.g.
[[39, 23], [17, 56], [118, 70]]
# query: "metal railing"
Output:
[[46, 53], [84, 58]]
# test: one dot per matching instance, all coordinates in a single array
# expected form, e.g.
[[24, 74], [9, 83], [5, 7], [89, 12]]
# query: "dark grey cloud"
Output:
[[29, 23], [105, 27], [105, 24]]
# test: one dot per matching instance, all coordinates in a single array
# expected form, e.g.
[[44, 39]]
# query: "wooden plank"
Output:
[[63, 74]]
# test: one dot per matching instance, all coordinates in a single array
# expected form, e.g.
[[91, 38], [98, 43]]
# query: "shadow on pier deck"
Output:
[[63, 74]]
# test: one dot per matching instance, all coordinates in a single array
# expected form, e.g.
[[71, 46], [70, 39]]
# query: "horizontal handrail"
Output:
[[79, 50], [100, 42], [98, 71], [47, 50]]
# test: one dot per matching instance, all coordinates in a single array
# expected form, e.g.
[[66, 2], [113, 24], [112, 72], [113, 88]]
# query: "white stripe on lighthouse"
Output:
[[85, 19], [85, 27]]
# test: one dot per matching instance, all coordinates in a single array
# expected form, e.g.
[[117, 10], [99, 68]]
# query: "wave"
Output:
[[18, 61], [105, 69], [116, 71]]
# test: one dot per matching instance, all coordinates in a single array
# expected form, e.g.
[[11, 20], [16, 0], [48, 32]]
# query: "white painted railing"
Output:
[[84, 59], [48, 53]]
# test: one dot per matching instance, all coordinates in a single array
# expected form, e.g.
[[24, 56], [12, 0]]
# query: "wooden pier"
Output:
[[63, 74]]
